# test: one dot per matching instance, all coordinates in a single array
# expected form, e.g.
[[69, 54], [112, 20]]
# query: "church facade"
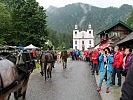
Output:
[[82, 40]]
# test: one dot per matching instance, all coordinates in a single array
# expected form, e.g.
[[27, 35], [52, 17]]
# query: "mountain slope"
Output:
[[63, 19]]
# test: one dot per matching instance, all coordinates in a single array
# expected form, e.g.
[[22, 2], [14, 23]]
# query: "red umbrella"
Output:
[[105, 45]]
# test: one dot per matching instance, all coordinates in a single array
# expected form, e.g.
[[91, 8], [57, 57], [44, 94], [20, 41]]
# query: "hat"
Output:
[[63, 47]]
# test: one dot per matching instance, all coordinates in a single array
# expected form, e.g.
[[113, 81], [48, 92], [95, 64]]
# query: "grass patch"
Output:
[[38, 66]]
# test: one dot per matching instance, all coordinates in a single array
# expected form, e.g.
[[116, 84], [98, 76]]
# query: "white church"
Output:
[[82, 40]]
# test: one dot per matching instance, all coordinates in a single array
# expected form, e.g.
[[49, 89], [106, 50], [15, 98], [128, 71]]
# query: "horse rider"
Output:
[[64, 57]]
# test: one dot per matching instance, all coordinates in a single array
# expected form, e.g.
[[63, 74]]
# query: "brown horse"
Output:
[[47, 63], [14, 78]]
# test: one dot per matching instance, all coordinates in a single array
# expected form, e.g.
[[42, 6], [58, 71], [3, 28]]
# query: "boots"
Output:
[[107, 90], [99, 89]]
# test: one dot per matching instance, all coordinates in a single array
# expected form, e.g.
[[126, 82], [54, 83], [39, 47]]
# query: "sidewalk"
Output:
[[114, 94]]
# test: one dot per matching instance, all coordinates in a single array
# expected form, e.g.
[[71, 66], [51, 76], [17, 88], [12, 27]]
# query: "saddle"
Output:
[[53, 54]]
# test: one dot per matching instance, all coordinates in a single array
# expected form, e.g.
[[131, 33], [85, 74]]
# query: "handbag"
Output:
[[124, 72]]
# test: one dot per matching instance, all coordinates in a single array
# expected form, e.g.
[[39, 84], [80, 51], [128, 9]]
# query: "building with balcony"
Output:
[[114, 33]]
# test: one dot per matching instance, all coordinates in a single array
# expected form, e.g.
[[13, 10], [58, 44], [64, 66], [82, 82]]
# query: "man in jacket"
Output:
[[126, 60], [95, 56], [117, 66], [127, 88], [64, 57]]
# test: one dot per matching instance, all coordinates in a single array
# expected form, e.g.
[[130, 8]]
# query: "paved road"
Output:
[[73, 83]]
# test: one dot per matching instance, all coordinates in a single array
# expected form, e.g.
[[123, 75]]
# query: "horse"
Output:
[[14, 77], [47, 63]]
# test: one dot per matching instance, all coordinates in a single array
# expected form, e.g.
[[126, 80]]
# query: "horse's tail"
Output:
[[1, 82], [41, 60], [45, 65], [46, 60]]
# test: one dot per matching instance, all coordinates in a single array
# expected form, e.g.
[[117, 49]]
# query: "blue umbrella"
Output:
[[21, 47]]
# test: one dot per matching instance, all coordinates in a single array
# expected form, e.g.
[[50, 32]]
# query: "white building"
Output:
[[83, 39]]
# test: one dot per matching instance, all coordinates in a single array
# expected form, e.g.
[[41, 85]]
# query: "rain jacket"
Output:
[[109, 64], [95, 56], [127, 61], [86, 53], [127, 88], [118, 60]]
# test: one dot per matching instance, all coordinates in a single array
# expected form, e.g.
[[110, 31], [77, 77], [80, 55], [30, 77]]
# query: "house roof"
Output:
[[127, 38], [113, 25]]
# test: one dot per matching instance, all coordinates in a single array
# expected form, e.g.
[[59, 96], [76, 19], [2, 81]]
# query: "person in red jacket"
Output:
[[95, 56], [117, 66], [86, 55], [34, 53], [122, 51]]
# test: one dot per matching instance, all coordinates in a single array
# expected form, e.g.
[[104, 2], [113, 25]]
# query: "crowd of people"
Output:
[[107, 63]]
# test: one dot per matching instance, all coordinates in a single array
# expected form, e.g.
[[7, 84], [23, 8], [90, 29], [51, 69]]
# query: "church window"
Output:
[[89, 41], [75, 33], [89, 32], [75, 47], [75, 42], [82, 42]]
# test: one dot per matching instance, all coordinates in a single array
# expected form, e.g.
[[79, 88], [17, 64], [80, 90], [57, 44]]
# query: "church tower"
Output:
[[75, 36], [90, 35], [83, 39]]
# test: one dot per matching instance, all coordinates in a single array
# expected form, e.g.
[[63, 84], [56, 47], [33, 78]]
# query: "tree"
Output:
[[60, 40], [29, 22], [130, 20], [5, 22]]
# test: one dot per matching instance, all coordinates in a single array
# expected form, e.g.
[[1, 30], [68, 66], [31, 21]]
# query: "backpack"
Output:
[[64, 54]]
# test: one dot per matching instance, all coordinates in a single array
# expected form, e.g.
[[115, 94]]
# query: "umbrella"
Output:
[[31, 47], [21, 47], [105, 45], [97, 47]]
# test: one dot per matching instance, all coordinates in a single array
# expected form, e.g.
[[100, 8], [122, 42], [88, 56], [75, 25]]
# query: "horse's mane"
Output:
[[9, 56], [4, 53]]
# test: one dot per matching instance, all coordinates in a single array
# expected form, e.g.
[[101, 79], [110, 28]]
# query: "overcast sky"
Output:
[[98, 3]]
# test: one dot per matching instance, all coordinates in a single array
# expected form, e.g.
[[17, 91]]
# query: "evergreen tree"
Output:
[[28, 23], [130, 20], [5, 23]]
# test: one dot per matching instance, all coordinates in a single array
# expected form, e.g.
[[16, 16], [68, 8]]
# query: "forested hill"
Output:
[[63, 19]]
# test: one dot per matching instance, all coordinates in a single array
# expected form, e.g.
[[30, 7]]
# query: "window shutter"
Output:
[[118, 34], [112, 34]]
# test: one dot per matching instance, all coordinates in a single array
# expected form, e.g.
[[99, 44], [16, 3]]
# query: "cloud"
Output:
[[98, 3]]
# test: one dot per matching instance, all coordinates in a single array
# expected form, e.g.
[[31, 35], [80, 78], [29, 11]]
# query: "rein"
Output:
[[6, 89], [21, 73], [8, 56], [5, 57]]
